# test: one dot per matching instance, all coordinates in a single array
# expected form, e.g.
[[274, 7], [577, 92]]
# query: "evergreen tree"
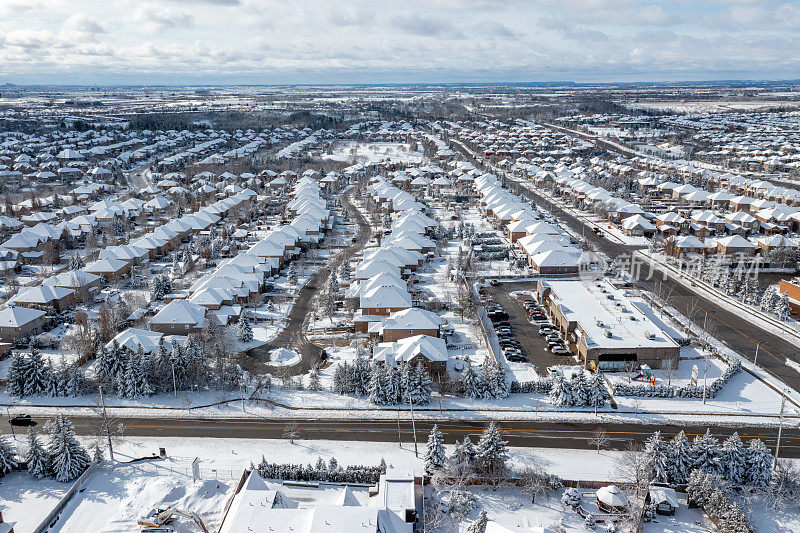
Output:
[[706, 453], [68, 459], [680, 459], [8, 457], [491, 452], [75, 262], [734, 460], [479, 525], [360, 375], [496, 385], [420, 391], [313, 380], [36, 375], [434, 456], [561, 392], [394, 392], [15, 377], [377, 385], [759, 464], [36, 456], [580, 386], [597, 393], [470, 383], [244, 330], [656, 450], [341, 379]]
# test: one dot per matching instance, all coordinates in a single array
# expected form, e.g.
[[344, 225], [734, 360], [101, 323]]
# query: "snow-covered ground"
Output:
[[115, 496], [375, 152]]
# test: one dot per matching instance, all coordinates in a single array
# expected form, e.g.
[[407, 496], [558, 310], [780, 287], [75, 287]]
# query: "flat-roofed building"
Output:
[[608, 330]]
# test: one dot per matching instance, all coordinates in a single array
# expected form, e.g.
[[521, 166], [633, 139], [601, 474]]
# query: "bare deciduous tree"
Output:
[[599, 439]]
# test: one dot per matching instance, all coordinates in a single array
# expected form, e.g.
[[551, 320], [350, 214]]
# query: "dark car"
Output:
[[22, 421]]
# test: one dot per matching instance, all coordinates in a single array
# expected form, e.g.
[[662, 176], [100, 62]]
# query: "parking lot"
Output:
[[532, 344]]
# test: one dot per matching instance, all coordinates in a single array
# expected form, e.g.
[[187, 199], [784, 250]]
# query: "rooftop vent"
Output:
[[607, 333], [649, 335], [598, 322]]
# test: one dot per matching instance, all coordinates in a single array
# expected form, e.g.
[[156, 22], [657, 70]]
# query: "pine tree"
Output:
[[419, 392], [36, 375], [8, 457], [313, 380], [680, 459], [244, 331], [759, 464], [561, 392], [580, 386], [496, 384], [98, 452], [597, 393], [706, 453], [15, 377], [656, 450], [36, 456], [434, 455], [75, 262], [341, 379], [491, 452], [68, 459], [377, 385], [470, 383], [479, 525], [394, 392], [143, 387], [734, 460], [360, 375]]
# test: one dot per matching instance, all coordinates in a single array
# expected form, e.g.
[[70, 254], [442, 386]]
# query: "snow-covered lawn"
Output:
[[374, 152]]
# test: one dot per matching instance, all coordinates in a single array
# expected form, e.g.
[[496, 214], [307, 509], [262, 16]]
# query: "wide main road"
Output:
[[518, 433]]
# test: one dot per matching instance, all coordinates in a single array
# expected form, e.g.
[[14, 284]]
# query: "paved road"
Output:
[[294, 334], [518, 433]]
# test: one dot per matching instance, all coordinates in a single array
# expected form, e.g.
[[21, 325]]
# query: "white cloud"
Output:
[[156, 18], [396, 40]]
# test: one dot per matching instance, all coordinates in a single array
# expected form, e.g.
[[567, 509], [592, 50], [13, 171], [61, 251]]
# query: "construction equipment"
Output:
[[158, 519]]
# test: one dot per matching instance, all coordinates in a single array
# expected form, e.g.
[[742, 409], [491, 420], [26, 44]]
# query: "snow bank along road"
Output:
[[517, 433], [739, 335]]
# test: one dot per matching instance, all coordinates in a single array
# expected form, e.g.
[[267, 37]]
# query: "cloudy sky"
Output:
[[376, 41]]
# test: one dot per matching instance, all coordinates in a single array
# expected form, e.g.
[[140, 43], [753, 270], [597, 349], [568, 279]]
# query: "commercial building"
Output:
[[608, 330]]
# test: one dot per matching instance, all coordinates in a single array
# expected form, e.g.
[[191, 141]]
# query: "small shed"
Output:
[[611, 499], [665, 500]]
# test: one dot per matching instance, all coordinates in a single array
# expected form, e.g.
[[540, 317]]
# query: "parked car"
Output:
[[517, 358], [546, 330], [553, 338], [559, 350]]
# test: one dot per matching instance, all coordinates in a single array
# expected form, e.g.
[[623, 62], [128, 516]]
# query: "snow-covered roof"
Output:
[[14, 317]]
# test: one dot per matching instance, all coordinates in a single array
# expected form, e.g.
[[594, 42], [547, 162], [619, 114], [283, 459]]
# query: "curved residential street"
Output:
[[293, 336]]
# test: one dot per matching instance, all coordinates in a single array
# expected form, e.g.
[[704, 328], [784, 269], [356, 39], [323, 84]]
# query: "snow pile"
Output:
[[283, 357]]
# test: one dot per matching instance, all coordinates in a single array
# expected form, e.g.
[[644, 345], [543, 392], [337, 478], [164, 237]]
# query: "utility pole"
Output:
[[413, 425], [105, 424], [755, 357], [780, 432], [705, 373]]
